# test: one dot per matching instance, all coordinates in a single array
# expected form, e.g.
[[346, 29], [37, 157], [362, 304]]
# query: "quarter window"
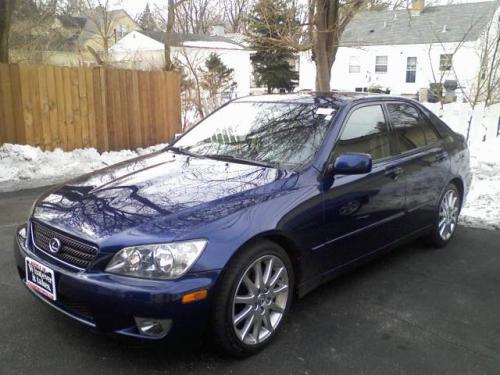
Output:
[[366, 131], [381, 64], [413, 131]]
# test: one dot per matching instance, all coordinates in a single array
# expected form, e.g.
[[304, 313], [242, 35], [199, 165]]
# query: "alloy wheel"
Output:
[[260, 300], [448, 214]]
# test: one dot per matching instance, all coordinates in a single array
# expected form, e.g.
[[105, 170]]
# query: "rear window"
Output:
[[412, 129]]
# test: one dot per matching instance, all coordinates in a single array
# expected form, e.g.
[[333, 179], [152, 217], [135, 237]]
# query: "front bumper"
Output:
[[109, 302]]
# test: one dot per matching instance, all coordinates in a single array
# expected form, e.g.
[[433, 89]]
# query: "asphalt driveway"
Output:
[[415, 311]]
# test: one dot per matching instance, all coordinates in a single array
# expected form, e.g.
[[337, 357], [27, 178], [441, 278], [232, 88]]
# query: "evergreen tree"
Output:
[[216, 80], [216, 77], [146, 20], [271, 61]]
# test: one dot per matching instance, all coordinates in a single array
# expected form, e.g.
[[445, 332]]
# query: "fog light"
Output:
[[157, 328]]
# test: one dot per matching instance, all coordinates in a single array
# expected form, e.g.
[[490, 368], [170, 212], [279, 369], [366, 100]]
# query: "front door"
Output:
[[362, 211]]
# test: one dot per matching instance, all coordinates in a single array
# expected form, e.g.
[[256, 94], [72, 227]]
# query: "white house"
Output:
[[145, 50], [406, 50]]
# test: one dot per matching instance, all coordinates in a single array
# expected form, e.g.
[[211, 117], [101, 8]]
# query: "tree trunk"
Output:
[[325, 41], [168, 35], [6, 8]]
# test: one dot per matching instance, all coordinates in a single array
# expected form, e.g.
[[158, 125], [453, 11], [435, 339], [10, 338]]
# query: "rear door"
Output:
[[362, 211], [424, 160]]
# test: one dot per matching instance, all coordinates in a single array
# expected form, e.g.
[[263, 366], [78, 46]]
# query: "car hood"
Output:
[[161, 194]]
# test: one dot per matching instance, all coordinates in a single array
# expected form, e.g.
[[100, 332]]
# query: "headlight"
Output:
[[159, 261], [22, 235]]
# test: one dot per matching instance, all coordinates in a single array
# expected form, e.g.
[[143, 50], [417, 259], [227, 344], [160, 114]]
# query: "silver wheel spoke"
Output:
[[276, 308], [267, 272], [242, 315], [256, 328], [247, 300], [281, 289], [276, 276], [267, 322], [246, 327], [258, 275], [252, 288]]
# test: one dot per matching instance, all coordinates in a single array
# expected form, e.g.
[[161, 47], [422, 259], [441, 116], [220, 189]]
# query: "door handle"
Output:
[[394, 172]]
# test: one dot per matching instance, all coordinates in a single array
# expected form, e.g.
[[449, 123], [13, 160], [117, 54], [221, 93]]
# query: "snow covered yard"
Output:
[[23, 167], [482, 208]]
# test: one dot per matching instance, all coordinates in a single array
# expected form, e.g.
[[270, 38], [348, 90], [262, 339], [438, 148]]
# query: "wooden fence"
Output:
[[109, 109]]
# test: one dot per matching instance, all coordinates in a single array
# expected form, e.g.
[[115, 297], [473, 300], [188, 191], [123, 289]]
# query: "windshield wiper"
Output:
[[235, 159]]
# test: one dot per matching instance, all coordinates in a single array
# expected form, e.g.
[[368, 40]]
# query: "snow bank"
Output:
[[24, 167], [482, 208]]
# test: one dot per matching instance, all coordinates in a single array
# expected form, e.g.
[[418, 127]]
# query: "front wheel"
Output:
[[254, 296], [446, 220]]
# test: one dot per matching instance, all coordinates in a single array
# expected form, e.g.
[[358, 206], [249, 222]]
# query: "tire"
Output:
[[445, 222], [267, 304]]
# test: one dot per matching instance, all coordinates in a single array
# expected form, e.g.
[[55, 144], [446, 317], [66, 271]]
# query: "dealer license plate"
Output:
[[40, 279]]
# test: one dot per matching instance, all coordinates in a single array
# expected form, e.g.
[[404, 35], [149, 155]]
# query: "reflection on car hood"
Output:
[[158, 193]]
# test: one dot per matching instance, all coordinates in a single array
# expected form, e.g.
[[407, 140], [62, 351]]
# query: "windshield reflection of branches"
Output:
[[285, 135]]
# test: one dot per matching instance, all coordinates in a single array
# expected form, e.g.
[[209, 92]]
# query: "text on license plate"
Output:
[[40, 278]]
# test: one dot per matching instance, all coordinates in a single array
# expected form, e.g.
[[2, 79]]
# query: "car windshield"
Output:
[[281, 135]]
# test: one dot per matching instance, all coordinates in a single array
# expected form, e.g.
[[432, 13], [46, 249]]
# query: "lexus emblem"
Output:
[[54, 245]]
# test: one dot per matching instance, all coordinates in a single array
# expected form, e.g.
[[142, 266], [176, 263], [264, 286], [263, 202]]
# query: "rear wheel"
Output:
[[447, 217], [253, 299]]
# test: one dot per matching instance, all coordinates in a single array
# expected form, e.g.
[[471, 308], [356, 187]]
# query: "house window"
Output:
[[445, 62], [354, 64], [122, 31], [411, 69], [381, 64]]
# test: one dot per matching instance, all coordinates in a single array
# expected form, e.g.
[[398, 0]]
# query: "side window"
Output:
[[413, 131], [365, 131]]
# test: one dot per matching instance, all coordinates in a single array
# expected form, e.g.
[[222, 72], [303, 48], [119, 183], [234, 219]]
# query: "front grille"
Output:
[[74, 252]]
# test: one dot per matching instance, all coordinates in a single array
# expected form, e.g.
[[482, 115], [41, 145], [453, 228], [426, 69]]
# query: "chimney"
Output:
[[218, 30], [417, 6]]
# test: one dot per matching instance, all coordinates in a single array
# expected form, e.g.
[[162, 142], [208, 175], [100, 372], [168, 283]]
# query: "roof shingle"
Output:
[[464, 22]]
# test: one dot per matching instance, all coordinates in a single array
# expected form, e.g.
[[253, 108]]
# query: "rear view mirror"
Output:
[[352, 163]]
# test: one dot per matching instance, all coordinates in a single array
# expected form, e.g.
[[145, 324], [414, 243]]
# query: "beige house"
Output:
[[85, 40]]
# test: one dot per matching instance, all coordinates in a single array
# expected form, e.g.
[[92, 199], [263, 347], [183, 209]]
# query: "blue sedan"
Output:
[[261, 202]]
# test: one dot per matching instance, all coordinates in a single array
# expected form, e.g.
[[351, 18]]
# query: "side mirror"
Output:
[[352, 163]]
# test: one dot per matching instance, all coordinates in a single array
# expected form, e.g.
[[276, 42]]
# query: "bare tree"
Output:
[[235, 14], [190, 62], [169, 66], [485, 89], [197, 16], [98, 12], [6, 9]]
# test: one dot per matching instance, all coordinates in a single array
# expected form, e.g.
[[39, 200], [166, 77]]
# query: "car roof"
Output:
[[335, 98]]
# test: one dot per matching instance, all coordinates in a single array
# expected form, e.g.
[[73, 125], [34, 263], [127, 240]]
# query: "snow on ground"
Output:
[[25, 167], [482, 207]]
